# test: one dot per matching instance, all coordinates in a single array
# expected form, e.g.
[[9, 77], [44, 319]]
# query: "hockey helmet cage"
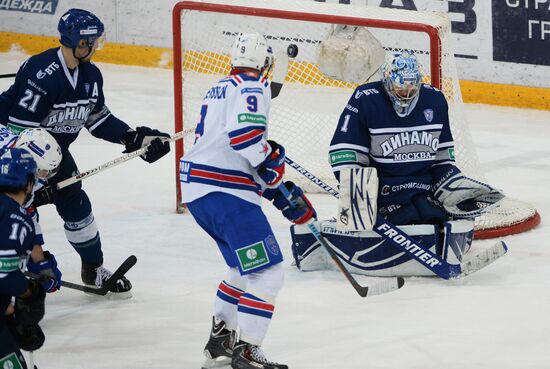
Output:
[[402, 80]]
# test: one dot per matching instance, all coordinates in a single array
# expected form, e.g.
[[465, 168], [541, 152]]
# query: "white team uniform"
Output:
[[231, 140]]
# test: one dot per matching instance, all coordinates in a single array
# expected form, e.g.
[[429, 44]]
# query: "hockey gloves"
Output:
[[297, 215], [271, 170], [29, 311], [50, 275], [464, 197], [147, 137], [45, 195]]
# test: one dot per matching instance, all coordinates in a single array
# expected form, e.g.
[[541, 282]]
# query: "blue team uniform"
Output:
[[410, 153], [17, 235], [47, 94]]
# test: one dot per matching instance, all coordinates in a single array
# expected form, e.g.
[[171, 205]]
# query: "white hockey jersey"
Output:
[[231, 140]]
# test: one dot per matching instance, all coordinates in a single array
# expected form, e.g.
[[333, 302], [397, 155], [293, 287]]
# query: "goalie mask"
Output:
[[251, 50], [402, 81], [44, 149]]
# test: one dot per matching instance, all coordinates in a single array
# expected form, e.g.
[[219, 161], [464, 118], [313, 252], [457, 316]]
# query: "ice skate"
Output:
[[219, 348], [247, 356], [96, 276]]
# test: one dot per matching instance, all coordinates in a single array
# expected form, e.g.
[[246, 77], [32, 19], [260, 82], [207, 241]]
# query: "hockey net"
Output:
[[303, 117]]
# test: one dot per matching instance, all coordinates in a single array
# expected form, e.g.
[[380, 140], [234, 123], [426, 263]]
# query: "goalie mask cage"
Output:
[[303, 117]]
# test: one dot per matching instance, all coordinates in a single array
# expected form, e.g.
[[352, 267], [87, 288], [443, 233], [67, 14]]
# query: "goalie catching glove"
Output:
[[464, 197], [271, 170], [297, 215], [147, 137]]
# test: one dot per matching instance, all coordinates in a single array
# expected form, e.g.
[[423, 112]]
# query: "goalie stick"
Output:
[[117, 161], [383, 285], [109, 283], [468, 265]]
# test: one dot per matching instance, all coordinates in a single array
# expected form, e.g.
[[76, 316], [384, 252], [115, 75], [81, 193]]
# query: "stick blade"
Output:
[[119, 273], [383, 285]]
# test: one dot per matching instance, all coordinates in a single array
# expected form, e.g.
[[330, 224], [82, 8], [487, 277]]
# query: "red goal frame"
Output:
[[431, 31]]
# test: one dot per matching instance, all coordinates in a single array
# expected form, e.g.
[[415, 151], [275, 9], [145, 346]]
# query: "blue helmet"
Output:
[[78, 24], [402, 80], [17, 167]]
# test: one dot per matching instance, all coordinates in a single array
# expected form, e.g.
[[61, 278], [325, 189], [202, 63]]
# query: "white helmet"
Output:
[[44, 149], [251, 50]]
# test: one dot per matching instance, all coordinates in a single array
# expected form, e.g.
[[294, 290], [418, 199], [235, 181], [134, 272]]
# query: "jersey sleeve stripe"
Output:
[[242, 139], [347, 146], [98, 123], [25, 122], [339, 167]]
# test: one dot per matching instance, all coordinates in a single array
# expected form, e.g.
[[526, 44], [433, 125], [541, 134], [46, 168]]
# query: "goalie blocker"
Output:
[[368, 253]]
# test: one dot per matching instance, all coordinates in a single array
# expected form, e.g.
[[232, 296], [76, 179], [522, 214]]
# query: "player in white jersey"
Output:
[[223, 177]]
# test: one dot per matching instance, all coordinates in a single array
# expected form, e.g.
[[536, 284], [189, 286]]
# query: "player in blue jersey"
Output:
[[400, 126], [19, 327], [62, 91], [223, 177]]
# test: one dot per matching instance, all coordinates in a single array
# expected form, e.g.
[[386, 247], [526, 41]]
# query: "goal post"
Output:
[[303, 117]]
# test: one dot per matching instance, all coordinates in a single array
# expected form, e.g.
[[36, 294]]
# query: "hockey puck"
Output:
[[292, 50]]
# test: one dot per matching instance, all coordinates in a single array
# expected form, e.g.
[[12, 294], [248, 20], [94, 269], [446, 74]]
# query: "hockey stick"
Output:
[[391, 233], [383, 286], [109, 283], [117, 161], [9, 75]]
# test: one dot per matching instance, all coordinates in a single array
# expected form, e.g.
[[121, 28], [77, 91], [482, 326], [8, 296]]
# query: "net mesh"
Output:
[[303, 117]]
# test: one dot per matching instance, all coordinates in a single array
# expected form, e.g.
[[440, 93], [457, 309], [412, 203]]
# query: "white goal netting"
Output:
[[303, 117]]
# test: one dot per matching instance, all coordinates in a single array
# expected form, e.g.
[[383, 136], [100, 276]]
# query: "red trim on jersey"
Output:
[[247, 136], [221, 177]]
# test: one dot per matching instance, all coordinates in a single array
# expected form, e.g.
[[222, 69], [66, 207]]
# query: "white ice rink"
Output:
[[498, 318]]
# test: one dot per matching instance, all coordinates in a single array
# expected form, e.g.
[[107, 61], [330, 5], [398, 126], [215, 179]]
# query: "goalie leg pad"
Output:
[[367, 253]]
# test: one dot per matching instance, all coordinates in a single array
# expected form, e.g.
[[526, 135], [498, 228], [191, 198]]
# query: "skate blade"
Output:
[[219, 363], [112, 295], [119, 295]]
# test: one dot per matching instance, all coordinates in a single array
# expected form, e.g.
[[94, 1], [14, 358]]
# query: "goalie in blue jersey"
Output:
[[400, 127], [61, 91]]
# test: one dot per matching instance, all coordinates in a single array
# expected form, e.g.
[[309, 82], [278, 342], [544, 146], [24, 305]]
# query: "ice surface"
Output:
[[498, 318]]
